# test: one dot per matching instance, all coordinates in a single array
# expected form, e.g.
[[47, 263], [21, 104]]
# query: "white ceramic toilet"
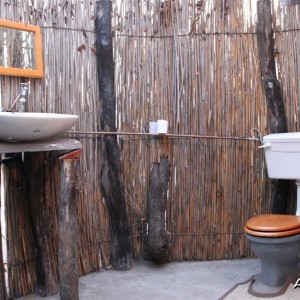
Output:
[[276, 238]]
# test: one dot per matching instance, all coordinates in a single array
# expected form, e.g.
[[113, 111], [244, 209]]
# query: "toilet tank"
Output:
[[282, 153]]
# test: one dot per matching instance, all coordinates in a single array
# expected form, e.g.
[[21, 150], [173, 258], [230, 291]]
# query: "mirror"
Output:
[[20, 50]]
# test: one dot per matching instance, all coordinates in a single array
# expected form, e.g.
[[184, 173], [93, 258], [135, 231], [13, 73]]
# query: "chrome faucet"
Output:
[[23, 96]]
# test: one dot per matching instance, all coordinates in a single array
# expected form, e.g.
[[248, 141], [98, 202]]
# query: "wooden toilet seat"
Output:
[[273, 225]]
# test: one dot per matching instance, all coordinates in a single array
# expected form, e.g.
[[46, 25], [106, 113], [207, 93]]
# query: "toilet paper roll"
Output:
[[162, 126], [153, 127]]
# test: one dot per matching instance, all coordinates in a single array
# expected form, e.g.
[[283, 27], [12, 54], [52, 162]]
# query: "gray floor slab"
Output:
[[177, 281]]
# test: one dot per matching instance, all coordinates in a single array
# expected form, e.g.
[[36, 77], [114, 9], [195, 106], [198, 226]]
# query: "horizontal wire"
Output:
[[186, 34], [170, 35]]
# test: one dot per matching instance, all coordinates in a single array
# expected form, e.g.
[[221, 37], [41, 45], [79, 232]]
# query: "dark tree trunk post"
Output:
[[111, 179], [41, 208], [277, 118], [67, 226], [158, 242]]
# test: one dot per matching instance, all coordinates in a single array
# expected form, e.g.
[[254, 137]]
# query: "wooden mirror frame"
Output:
[[35, 73]]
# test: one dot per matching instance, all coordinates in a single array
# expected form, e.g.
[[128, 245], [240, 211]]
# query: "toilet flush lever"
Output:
[[265, 146]]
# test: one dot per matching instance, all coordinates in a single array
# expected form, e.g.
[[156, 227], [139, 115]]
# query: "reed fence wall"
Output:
[[193, 63]]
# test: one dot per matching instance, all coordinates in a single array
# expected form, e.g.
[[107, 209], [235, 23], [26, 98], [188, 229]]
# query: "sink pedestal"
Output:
[[64, 153]]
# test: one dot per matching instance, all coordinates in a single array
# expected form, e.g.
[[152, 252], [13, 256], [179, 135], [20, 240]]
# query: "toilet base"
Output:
[[258, 289], [279, 258]]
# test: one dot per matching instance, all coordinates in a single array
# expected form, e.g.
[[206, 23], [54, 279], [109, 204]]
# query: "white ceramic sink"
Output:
[[27, 126]]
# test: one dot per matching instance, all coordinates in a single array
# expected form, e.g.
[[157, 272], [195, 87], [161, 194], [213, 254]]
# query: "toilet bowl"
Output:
[[275, 238]]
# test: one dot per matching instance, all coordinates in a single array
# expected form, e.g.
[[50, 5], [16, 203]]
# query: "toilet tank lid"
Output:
[[288, 137]]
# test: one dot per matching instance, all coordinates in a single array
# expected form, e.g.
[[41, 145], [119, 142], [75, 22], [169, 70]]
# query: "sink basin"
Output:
[[27, 126]]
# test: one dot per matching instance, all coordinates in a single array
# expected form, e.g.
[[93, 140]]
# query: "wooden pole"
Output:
[[38, 172], [276, 118], [111, 179], [158, 244], [67, 226]]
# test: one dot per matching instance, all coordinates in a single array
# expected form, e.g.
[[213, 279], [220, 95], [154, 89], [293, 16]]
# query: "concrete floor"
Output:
[[176, 281]]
